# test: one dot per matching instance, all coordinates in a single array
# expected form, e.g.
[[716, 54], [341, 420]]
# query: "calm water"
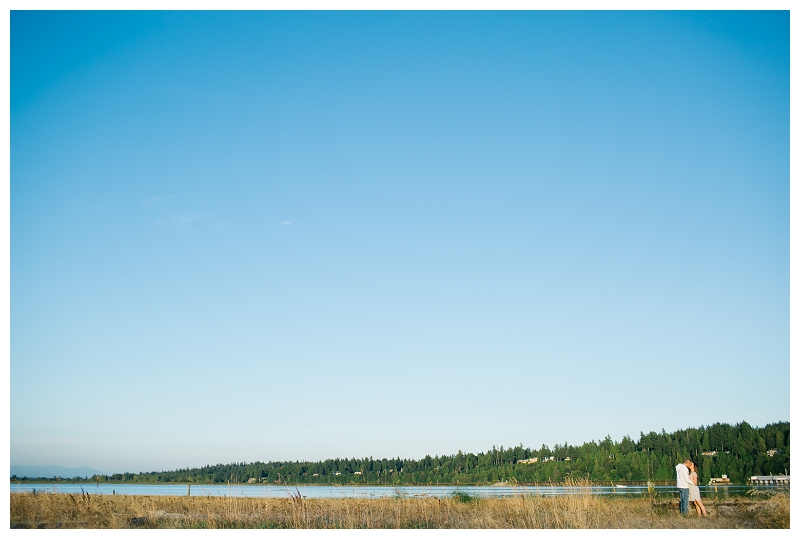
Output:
[[319, 491]]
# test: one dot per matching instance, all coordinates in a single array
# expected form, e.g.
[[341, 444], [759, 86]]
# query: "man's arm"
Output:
[[683, 474]]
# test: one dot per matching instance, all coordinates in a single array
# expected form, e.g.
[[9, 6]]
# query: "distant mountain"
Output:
[[51, 471]]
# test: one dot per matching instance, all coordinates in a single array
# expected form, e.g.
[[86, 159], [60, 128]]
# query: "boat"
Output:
[[719, 480]]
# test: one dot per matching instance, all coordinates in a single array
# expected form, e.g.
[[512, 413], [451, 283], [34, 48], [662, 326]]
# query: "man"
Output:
[[683, 485]]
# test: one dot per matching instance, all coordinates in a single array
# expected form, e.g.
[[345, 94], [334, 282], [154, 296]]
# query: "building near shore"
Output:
[[772, 480]]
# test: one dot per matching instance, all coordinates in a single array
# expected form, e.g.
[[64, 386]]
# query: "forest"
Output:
[[738, 451]]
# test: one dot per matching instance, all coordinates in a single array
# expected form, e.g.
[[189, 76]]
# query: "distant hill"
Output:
[[51, 471], [738, 451]]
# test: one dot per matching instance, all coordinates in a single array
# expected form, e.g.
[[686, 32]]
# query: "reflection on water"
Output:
[[352, 491]]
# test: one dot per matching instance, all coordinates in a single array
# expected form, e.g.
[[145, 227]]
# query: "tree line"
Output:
[[738, 451]]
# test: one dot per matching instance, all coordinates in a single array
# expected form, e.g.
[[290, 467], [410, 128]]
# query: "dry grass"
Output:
[[46, 510], [772, 512]]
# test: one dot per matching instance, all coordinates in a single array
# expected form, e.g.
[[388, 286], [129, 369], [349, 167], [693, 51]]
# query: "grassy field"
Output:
[[48, 510]]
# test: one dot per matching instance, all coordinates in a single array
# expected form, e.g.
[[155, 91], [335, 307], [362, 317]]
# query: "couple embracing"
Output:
[[688, 489]]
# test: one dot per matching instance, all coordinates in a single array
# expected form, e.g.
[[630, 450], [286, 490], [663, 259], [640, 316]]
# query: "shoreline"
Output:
[[609, 484]]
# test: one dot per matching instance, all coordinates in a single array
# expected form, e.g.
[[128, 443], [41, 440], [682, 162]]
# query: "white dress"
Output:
[[694, 490]]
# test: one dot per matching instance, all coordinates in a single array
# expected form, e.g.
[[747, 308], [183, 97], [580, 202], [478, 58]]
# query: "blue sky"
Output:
[[299, 235]]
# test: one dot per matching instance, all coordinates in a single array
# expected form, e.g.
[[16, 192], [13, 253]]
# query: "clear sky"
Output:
[[267, 236]]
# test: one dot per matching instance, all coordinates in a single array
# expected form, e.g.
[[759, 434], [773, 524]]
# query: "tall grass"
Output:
[[579, 509]]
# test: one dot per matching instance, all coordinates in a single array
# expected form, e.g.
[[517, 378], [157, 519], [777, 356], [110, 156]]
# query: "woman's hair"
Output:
[[694, 466]]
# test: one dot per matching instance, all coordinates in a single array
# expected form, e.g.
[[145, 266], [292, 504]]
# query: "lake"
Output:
[[352, 491]]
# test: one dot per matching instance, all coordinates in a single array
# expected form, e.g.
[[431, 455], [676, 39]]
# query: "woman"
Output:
[[694, 492]]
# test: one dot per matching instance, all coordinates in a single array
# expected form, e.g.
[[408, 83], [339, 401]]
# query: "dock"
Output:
[[770, 480]]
